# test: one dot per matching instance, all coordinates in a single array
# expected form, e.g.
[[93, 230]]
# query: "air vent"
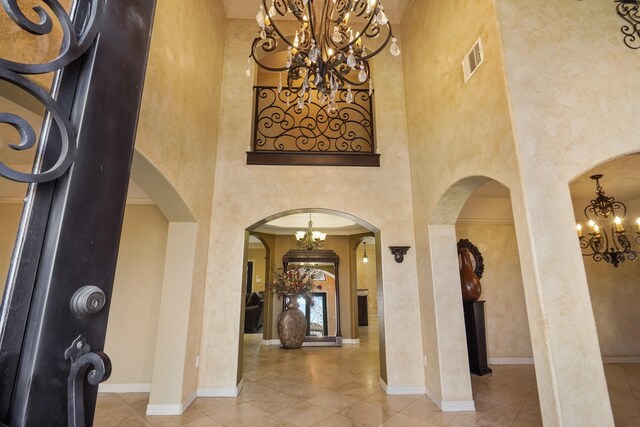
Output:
[[473, 60]]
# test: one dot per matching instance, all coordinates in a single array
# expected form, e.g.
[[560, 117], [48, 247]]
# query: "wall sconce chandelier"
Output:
[[613, 246], [326, 51], [310, 239], [629, 10]]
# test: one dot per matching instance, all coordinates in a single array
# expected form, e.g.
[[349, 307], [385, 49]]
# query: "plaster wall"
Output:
[[456, 130], [569, 104], [177, 134], [137, 289], [379, 196]]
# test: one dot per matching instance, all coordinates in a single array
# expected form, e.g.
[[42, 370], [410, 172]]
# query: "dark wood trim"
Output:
[[312, 159]]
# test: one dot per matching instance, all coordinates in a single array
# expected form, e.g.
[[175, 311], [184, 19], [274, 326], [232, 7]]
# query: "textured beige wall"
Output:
[[178, 127], [456, 130], [502, 289], [137, 289], [344, 189], [570, 110]]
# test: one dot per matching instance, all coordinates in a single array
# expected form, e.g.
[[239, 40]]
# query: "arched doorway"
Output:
[[479, 209], [343, 232], [612, 281]]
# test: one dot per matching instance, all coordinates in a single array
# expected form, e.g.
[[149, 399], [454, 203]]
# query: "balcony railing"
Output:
[[286, 134]]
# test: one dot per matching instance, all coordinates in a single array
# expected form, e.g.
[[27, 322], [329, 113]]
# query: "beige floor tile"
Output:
[[241, 415], [211, 405], [425, 410], [337, 420], [401, 420], [204, 422], [333, 401], [367, 413], [394, 402], [272, 421], [304, 414], [339, 387], [275, 402]]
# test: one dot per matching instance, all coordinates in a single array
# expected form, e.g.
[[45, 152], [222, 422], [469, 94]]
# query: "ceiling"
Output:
[[247, 9], [330, 224]]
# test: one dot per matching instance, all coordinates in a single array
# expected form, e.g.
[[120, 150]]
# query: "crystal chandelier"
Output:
[[327, 50], [602, 213], [310, 239]]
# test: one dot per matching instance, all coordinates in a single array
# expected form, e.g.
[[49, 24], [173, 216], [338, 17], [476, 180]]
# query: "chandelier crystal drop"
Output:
[[328, 48], [606, 238], [310, 239]]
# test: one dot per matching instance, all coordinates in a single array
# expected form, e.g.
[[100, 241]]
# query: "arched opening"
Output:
[[153, 276], [479, 210], [322, 372], [613, 279]]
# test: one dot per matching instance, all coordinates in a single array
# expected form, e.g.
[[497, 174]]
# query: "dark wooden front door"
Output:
[[56, 301]]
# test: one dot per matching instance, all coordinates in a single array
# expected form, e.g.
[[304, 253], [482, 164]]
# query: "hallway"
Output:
[[339, 387]]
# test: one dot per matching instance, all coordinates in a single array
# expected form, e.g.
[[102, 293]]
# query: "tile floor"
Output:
[[339, 387]]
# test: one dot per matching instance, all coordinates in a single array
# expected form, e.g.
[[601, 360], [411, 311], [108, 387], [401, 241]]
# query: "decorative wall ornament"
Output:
[[602, 213], [399, 252], [74, 44], [629, 10], [329, 49], [477, 260]]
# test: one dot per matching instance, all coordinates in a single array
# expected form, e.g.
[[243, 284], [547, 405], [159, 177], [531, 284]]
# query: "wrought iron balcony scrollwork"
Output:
[[287, 125], [629, 10], [74, 43]]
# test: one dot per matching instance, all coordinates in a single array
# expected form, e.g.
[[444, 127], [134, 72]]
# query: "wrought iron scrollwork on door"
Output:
[[81, 360], [75, 42]]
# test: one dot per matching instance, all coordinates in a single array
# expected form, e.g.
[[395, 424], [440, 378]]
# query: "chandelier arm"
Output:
[[260, 64], [381, 48], [275, 26], [312, 19]]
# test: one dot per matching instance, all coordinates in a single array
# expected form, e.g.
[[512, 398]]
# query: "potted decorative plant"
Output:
[[293, 284]]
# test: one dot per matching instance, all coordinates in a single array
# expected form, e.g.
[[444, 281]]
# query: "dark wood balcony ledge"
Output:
[[298, 158]]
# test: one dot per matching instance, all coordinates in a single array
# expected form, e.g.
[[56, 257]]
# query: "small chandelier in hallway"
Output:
[[365, 259], [614, 245], [329, 48], [310, 239]]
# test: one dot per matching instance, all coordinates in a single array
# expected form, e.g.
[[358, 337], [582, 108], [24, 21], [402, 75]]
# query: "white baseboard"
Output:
[[172, 409], [351, 341], [394, 389], [270, 342], [450, 405], [622, 359], [124, 388], [510, 361], [221, 391]]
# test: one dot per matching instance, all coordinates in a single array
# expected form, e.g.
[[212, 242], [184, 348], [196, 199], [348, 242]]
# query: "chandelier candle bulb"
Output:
[[618, 223], [638, 222], [579, 228]]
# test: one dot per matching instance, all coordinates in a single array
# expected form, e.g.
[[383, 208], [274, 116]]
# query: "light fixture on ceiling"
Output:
[[326, 49], [310, 239], [629, 10], [365, 259], [602, 213]]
